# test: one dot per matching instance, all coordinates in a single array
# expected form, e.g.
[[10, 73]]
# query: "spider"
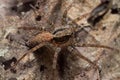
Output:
[[63, 37]]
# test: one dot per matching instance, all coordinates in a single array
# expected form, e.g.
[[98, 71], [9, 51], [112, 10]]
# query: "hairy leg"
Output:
[[97, 46], [74, 51], [29, 51], [54, 65], [55, 58]]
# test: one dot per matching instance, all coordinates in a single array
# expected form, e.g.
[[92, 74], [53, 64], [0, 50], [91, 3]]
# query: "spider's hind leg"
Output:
[[55, 58], [97, 46], [94, 68], [54, 65], [75, 52]]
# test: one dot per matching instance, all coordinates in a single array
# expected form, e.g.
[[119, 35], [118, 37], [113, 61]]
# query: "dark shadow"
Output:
[[62, 62], [24, 7], [98, 13]]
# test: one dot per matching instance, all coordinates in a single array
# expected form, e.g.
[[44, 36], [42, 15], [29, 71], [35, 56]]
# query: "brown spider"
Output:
[[61, 38]]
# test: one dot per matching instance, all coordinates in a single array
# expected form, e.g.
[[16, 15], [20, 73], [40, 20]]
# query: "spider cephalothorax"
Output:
[[60, 38], [62, 35]]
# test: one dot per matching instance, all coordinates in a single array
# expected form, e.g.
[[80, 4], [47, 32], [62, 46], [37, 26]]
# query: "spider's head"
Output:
[[62, 35]]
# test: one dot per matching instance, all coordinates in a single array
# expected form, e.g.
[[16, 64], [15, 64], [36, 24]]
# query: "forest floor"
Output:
[[17, 29]]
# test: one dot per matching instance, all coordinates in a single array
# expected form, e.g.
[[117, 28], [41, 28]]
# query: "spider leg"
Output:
[[55, 58], [97, 46], [74, 51], [80, 18], [77, 19], [65, 13], [29, 51], [92, 63], [86, 31]]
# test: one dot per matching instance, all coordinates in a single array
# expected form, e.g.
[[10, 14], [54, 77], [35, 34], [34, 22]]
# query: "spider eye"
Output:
[[62, 39]]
